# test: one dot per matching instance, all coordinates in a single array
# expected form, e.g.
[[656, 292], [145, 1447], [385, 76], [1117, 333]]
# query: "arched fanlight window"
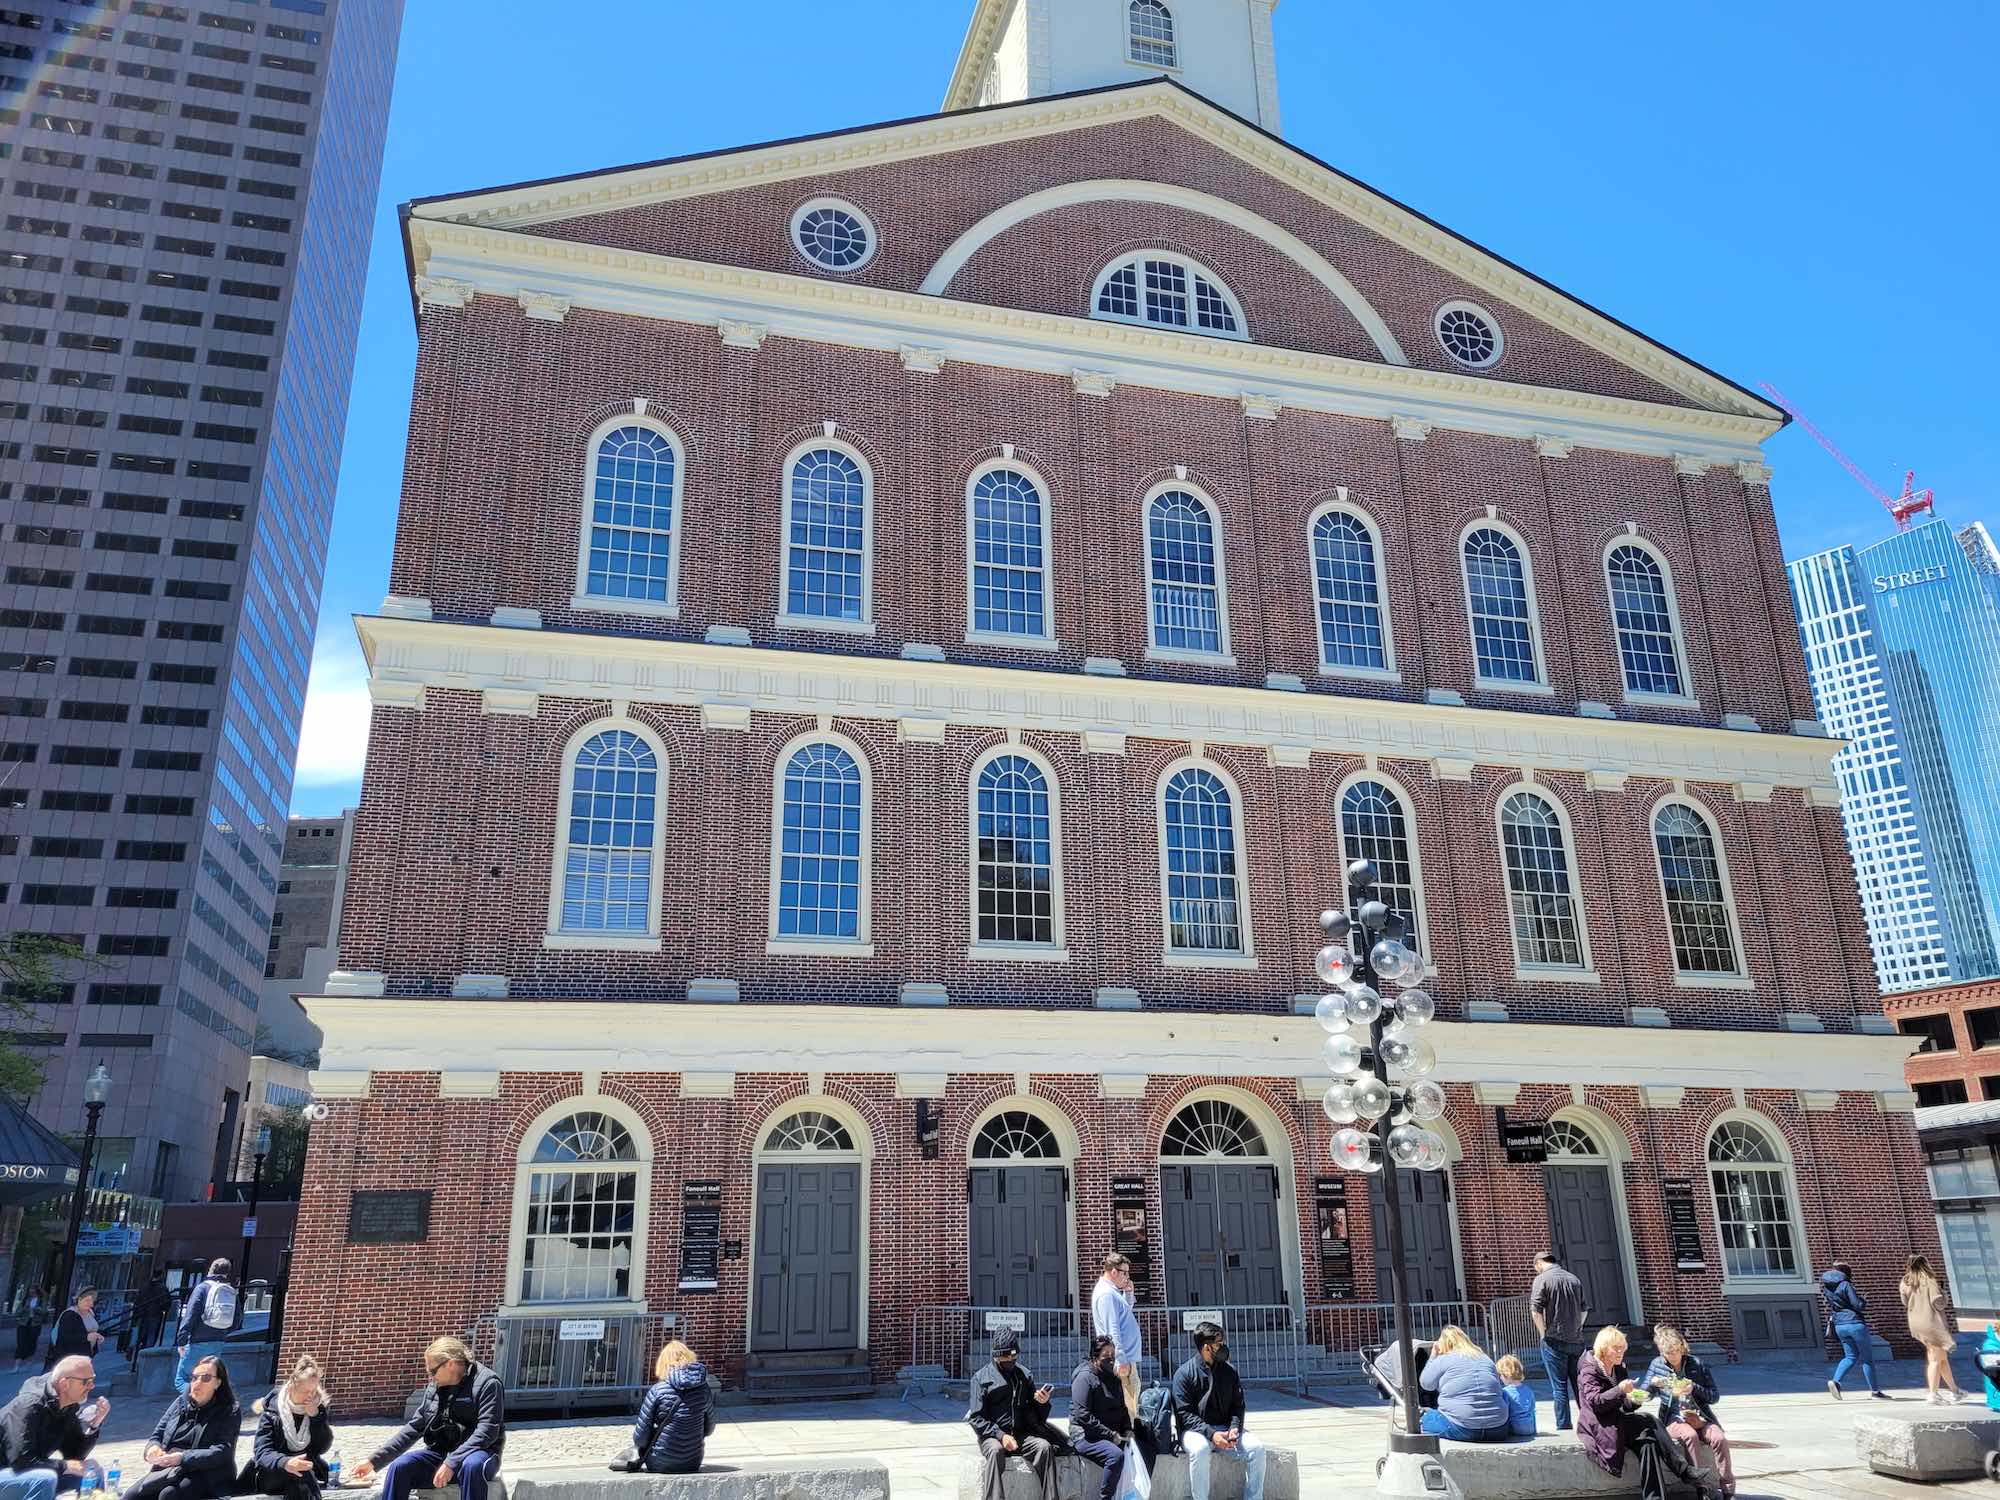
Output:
[[1211, 1128], [582, 1210], [1015, 1135], [1152, 34], [1642, 612], [1162, 290], [630, 534], [809, 1130], [1568, 1138], [1501, 606], [1373, 826], [1753, 1202], [606, 866], [1347, 583], [1697, 901], [1548, 932]]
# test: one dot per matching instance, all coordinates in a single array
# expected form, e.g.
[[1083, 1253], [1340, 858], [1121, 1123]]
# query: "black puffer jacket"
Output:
[[1097, 1411]]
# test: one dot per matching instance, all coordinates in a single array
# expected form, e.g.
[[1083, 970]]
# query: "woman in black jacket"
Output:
[[76, 1330], [293, 1435], [193, 1447], [1100, 1426]]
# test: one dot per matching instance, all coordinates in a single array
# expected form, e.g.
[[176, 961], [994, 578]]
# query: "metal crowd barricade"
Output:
[[547, 1360], [1263, 1340], [1336, 1334], [1512, 1328], [958, 1340]]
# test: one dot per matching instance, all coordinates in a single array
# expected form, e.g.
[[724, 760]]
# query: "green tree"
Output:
[[32, 968], [286, 1165]]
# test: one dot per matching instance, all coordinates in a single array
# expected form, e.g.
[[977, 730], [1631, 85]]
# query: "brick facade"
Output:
[[1951, 1052]]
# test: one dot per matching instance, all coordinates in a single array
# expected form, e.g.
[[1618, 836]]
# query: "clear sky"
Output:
[[1795, 192]]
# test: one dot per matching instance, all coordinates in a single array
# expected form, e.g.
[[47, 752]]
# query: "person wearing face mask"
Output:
[[1009, 1413], [1209, 1411], [1111, 1315], [1100, 1428]]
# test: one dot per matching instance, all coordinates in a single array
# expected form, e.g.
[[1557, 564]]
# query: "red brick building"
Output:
[[1957, 1033], [893, 637]]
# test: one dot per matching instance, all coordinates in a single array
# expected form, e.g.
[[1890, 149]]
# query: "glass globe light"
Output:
[[1342, 1054], [1362, 874], [1334, 963], [1426, 1100], [1364, 1004], [1437, 1155], [1372, 1098], [1396, 1046], [1373, 914], [1421, 1059], [1415, 1007], [1354, 1150], [1331, 1012], [1339, 1104], [1394, 962], [1335, 924], [1407, 1146]]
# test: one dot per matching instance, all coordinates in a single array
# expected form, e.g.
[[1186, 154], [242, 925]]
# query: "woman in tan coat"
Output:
[[1923, 1302]]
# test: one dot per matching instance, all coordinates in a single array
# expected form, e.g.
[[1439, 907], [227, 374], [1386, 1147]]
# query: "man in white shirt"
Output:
[[1111, 1315]]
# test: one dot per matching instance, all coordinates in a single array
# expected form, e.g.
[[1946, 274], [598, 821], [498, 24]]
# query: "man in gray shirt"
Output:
[[1559, 1309]]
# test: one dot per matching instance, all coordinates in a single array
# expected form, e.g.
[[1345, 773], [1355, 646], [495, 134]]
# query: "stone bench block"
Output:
[[1553, 1467], [749, 1479], [1078, 1478], [1929, 1443]]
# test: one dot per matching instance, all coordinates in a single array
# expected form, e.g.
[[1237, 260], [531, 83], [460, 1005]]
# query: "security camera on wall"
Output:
[[314, 1111]]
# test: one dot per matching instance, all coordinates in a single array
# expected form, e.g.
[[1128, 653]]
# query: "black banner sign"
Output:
[[1128, 1226], [1683, 1227], [400, 1216], [1336, 1256], [701, 1234], [1526, 1142]]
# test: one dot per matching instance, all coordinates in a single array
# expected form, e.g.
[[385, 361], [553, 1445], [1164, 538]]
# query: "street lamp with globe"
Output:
[[1382, 1100]]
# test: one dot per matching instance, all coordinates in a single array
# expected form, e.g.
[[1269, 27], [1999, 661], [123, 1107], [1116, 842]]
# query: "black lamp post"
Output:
[[96, 1089], [250, 1219], [1364, 951]]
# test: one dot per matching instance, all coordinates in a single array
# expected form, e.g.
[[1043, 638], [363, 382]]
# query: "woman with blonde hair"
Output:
[[1688, 1394], [676, 1417], [1930, 1325], [294, 1433], [1470, 1406], [1609, 1423]]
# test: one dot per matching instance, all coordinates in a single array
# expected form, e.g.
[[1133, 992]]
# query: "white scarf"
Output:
[[295, 1420]]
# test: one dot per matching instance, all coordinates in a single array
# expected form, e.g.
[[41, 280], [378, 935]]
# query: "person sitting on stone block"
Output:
[[1209, 1411], [456, 1435], [1010, 1414]]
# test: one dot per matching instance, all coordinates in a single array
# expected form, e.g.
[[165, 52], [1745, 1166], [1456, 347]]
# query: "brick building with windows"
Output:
[[892, 639]]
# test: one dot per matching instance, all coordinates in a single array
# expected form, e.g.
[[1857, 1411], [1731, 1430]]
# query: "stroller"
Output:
[[1385, 1372], [1988, 1360]]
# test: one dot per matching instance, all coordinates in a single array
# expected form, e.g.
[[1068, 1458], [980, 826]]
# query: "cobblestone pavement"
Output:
[[1792, 1441]]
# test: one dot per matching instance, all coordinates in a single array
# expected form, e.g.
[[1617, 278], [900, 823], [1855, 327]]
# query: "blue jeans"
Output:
[[1855, 1349], [1559, 1357], [35, 1484], [414, 1469], [1201, 1453], [191, 1356], [1437, 1424], [1111, 1458]]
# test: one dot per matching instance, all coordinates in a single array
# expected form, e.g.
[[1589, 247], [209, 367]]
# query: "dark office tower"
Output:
[[186, 195]]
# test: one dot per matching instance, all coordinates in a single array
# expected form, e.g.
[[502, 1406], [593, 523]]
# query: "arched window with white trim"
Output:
[[1642, 611], [606, 869], [1209, 1129], [631, 532], [1696, 892], [1347, 584], [582, 1195], [1500, 602], [1184, 575], [1008, 569], [819, 885], [1201, 861], [1752, 1183], [1375, 826], [1016, 1135], [1152, 34], [1015, 894], [828, 524], [1534, 846], [1158, 289]]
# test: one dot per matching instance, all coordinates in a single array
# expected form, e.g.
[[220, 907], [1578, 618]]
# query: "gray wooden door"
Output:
[[1219, 1224], [1583, 1221], [1019, 1231], [1430, 1261], [807, 1275]]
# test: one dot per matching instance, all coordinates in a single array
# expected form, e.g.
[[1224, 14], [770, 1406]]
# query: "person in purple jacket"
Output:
[[1610, 1424]]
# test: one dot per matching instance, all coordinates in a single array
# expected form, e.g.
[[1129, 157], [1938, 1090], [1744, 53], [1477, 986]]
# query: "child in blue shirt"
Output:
[[1518, 1394]]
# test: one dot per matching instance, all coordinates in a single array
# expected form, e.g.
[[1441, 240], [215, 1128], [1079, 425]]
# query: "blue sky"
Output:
[[1799, 193]]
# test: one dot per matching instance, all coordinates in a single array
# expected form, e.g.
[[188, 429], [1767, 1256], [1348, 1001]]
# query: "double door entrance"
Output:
[[1219, 1223], [1430, 1251], [807, 1273], [1018, 1220]]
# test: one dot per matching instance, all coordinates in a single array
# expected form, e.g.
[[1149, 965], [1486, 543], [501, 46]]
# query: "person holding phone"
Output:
[[1009, 1413], [1208, 1413]]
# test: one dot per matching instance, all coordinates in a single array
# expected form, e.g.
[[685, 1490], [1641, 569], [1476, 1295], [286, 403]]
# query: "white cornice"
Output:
[[407, 656], [538, 203], [502, 262], [558, 1036], [980, 38]]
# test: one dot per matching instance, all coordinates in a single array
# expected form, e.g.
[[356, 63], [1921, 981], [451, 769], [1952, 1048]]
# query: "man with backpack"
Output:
[[1209, 1410], [213, 1312]]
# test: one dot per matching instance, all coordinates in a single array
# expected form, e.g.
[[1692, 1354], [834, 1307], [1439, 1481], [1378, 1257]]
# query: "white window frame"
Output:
[[862, 945], [1057, 951], [1241, 332], [856, 1125], [1388, 671], [1402, 796], [1132, 40], [845, 206], [1532, 973], [1685, 698], [1540, 686], [1203, 958], [1767, 1127], [974, 636], [554, 934], [1460, 304], [1226, 657], [524, 1151], [581, 598], [784, 621], [1740, 979]]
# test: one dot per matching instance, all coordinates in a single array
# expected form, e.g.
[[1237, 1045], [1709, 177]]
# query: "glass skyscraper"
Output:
[[188, 197], [1903, 642]]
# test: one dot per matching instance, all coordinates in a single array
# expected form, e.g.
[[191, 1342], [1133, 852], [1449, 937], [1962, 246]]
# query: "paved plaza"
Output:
[[1792, 1442]]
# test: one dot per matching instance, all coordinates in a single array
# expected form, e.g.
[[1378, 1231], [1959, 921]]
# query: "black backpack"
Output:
[[1155, 1431]]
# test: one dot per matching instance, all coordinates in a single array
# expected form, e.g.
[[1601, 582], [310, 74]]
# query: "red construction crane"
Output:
[[1909, 503]]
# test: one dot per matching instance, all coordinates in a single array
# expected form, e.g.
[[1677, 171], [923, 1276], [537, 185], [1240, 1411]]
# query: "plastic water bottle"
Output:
[[333, 1469], [89, 1486], [111, 1477]]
